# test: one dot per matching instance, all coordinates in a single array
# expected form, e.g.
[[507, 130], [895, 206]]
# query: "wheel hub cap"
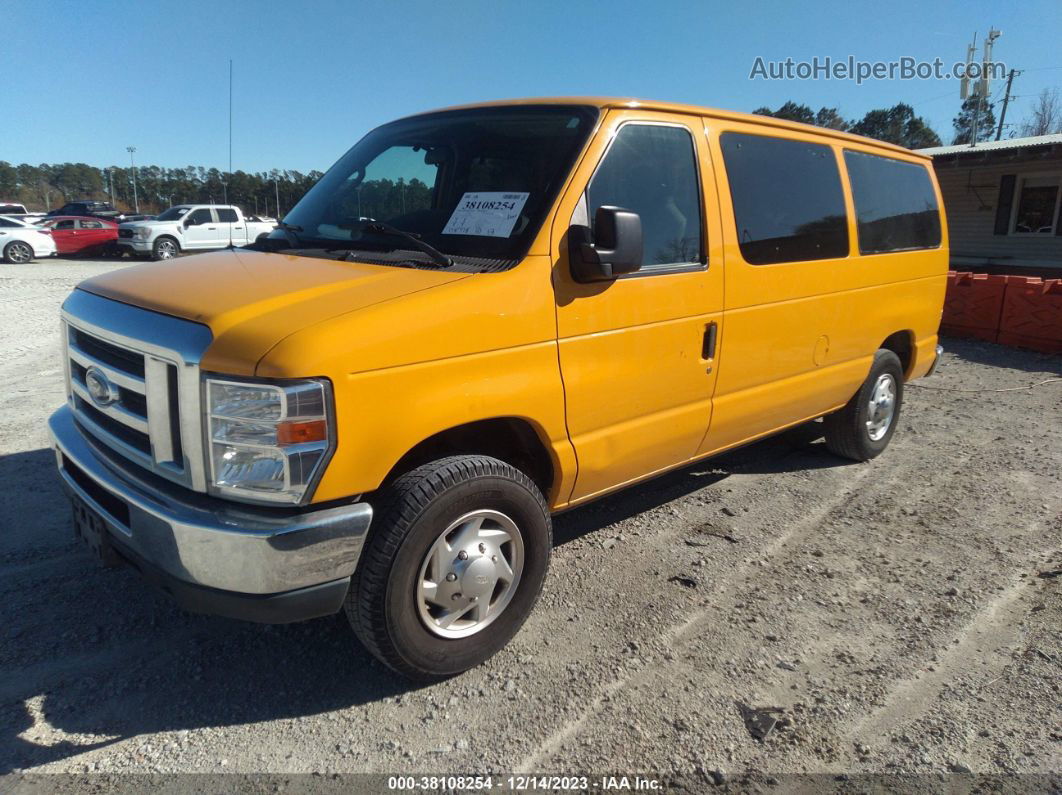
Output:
[[470, 574], [882, 407]]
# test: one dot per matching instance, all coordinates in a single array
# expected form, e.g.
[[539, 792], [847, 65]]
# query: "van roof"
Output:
[[697, 110]]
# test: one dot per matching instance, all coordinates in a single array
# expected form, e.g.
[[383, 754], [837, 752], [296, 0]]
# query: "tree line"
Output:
[[899, 124], [48, 186]]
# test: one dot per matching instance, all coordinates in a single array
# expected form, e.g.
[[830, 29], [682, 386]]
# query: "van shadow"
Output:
[[93, 656], [800, 448]]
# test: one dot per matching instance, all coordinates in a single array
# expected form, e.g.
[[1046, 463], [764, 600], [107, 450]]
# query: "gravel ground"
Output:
[[900, 616]]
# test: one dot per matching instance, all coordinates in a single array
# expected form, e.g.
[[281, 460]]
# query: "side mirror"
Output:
[[189, 222], [616, 250]]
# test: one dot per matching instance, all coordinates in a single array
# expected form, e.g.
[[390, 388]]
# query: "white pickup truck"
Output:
[[191, 227]]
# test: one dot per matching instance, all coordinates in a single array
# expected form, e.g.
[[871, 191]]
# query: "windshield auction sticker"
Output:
[[486, 213]]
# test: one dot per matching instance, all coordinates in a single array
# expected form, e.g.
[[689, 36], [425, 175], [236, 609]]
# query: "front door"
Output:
[[636, 353], [202, 230]]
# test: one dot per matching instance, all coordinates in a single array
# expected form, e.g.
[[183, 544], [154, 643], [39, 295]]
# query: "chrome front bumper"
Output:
[[135, 244], [193, 541]]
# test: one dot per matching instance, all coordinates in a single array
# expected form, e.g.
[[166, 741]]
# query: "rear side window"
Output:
[[226, 215], [652, 170], [91, 225], [896, 207], [788, 202]]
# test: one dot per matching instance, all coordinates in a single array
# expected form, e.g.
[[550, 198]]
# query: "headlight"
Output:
[[267, 442], [142, 232]]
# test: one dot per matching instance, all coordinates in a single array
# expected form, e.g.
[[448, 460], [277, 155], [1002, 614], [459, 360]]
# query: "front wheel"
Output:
[[453, 568], [863, 428], [18, 252], [165, 248]]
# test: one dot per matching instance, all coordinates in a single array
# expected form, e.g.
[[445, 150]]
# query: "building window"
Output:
[[1036, 202], [895, 204], [788, 202]]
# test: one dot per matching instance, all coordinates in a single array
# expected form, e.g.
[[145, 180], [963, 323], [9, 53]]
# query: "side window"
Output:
[[788, 202], [201, 216], [652, 170], [1037, 206], [226, 215], [896, 208], [90, 224], [64, 224], [6, 223]]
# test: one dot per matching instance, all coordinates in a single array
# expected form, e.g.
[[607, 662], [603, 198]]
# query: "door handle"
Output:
[[211, 227], [708, 344]]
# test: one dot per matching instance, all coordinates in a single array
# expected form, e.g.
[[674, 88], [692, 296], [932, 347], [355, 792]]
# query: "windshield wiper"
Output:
[[380, 227], [290, 232]]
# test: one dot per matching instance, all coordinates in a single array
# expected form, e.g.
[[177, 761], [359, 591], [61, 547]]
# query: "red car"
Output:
[[80, 235]]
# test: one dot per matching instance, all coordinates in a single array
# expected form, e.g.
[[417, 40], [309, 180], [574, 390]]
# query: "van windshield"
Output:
[[471, 183]]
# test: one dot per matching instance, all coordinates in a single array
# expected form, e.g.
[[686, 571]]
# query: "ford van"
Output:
[[477, 318]]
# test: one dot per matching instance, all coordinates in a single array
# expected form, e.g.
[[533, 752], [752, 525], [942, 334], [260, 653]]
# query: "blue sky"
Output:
[[85, 79]]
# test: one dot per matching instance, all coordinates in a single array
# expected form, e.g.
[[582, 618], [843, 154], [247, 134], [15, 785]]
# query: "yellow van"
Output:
[[478, 317]]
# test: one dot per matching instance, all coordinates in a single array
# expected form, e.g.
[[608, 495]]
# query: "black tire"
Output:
[[847, 433], [165, 248], [18, 252], [382, 604]]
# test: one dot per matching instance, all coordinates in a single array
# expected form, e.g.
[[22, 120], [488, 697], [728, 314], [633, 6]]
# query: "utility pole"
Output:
[[132, 167], [1006, 101], [228, 177], [276, 185]]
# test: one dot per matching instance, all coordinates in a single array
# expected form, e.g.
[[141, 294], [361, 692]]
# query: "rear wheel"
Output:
[[864, 427], [453, 567], [165, 248], [18, 252]]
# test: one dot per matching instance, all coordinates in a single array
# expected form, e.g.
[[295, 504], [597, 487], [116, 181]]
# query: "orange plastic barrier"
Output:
[[973, 305], [1032, 314]]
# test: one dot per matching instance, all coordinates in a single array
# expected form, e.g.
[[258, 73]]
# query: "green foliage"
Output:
[[964, 122], [48, 186], [897, 125], [791, 111]]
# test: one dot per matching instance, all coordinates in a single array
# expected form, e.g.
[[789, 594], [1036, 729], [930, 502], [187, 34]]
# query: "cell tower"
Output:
[[980, 89]]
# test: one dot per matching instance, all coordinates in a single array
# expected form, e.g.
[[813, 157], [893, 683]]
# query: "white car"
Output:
[[191, 227], [20, 242]]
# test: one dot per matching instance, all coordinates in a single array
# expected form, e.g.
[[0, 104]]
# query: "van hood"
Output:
[[251, 300]]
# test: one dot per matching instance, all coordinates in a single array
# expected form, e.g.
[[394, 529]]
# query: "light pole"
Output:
[[276, 186], [132, 167]]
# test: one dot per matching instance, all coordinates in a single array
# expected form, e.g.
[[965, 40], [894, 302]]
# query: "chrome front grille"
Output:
[[140, 415], [136, 396]]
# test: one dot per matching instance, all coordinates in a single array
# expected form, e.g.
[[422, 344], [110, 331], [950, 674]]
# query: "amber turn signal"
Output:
[[296, 432]]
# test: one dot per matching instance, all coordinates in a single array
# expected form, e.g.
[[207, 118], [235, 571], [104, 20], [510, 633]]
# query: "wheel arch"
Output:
[[902, 343], [515, 440]]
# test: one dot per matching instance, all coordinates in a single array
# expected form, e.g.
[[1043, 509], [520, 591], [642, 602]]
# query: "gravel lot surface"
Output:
[[903, 615]]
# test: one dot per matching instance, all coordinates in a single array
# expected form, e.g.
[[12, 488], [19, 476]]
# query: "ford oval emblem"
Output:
[[100, 388]]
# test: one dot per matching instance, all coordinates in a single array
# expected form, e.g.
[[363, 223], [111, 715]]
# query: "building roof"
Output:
[[990, 146]]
